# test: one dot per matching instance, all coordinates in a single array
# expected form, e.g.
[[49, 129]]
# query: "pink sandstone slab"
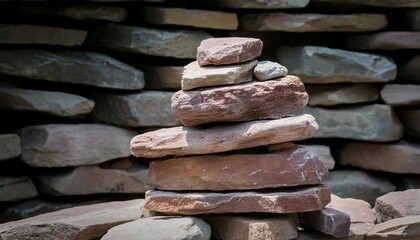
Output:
[[397, 204]]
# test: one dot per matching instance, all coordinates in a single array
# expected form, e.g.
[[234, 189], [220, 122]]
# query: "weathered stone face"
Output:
[[397, 204], [331, 95], [382, 3], [399, 228], [10, 146], [266, 70], [385, 41], [16, 188], [262, 4], [401, 94]]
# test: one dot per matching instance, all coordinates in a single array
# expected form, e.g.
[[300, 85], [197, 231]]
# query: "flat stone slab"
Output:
[[16, 188], [410, 119], [10, 146], [289, 167], [143, 109], [326, 65], [48, 102], [409, 70], [397, 204], [262, 4], [222, 138], [74, 67], [400, 157], [149, 41], [331, 95], [312, 22], [162, 77], [62, 145], [266, 70], [176, 228], [398, 95], [84, 222], [382, 3], [229, 50], [195, 76], [33, 34], [239, 103], [399, 228], [385, 41], [289, 200]]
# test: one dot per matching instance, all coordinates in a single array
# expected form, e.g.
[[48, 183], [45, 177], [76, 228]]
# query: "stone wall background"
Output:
[[80, 79]]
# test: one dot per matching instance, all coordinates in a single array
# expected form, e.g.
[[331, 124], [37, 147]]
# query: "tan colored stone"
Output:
[[381, 3], [266, 70], [16, 188], [312, 22], [330, 95], [238, 103], [290, 200], [385, 41], [10, 146], [195, 76], [410, 119], [409, 71], [397, 204], [222, 138], [401, 94], [400, 228], [162, 77], [261, 4]]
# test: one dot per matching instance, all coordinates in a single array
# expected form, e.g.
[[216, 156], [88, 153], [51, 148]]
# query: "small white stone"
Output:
[[266, 70]]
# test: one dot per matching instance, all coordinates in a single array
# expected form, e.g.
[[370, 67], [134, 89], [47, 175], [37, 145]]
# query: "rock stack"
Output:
[[234, 153]]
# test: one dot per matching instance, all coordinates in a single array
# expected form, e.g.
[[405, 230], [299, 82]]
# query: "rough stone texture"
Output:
[[410, 119], [196, 18], [222, 138], [238, 103], [358, 184], [283, 226], [330, 95], [385, 41], [289, 167], [162, 77], [149, 41], [143, 109], [124, 176], [289, 200], [10, 146], [400, 157], [70, 67], [262, 4], [15, 189], [266, 70], [399, 228], [326, 65], [312, 22], [223, 51], [356, 123], [176, 228], [382, 3], [397, 204], [195, 76], [60, 145], [32, 34], [412, 19], [401, 94], [53, 103], [85, 222], [409, 71]]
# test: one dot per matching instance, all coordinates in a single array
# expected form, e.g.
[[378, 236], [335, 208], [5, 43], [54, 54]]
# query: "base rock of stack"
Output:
[[289, 200], [248, 101]]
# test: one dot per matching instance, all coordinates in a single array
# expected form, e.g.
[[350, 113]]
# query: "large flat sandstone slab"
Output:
[[10, 146], [385, 41], [397, 204], [222, 138], [398, 95], [398, 228], [238, 103], [331, 95], [289, 200], [262, 4]]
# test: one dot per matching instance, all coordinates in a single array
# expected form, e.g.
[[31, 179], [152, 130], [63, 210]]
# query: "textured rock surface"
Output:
[[326, 65], [263, 4], [222, 138], [176, 228], [143, 109], [254, 228], [289, 167], [382, 3], [312, 22], [164, 43], [409, 71], [266, 70], [289, 200], [70, 67], [410, 119], [222, 51], [195, 76], [238, 103], [10, 146], [397, 205], [400, 157], [330, 95], [162, 77], [85, 222], [60, 145], [385, 41], [16, 188], [401, 94], [53, 103], [32, 34], [399, 228]]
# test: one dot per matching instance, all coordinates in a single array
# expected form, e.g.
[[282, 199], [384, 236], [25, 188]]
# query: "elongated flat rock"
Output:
[[223, 51], [61, 145], [48, 102], [149, 41], [399, 228], [312, 22], [376, 123], [409, 71], [222, 138], [195, 76], [330, 95], [16, 188], [401, 94], [289, 200], [382, 3], [75, 67], [262, 4], [397, 204], [144, 109], [289, 167], [410, 119], [162, 77], [326, 65], [238, 103], [10, 146], [385, 41]]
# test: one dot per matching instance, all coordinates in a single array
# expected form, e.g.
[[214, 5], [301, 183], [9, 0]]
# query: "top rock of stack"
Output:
[[223, 51]]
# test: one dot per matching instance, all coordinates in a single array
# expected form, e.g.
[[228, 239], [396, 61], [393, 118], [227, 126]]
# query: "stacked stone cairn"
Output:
[[234, 154]]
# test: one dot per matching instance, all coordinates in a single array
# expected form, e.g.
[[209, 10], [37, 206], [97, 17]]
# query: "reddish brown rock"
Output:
[[249, 101], [222, 51], [397, 204], [222, 138], [401, 94], [385, 41], [290, 167], [397, 229], [328, 220]]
